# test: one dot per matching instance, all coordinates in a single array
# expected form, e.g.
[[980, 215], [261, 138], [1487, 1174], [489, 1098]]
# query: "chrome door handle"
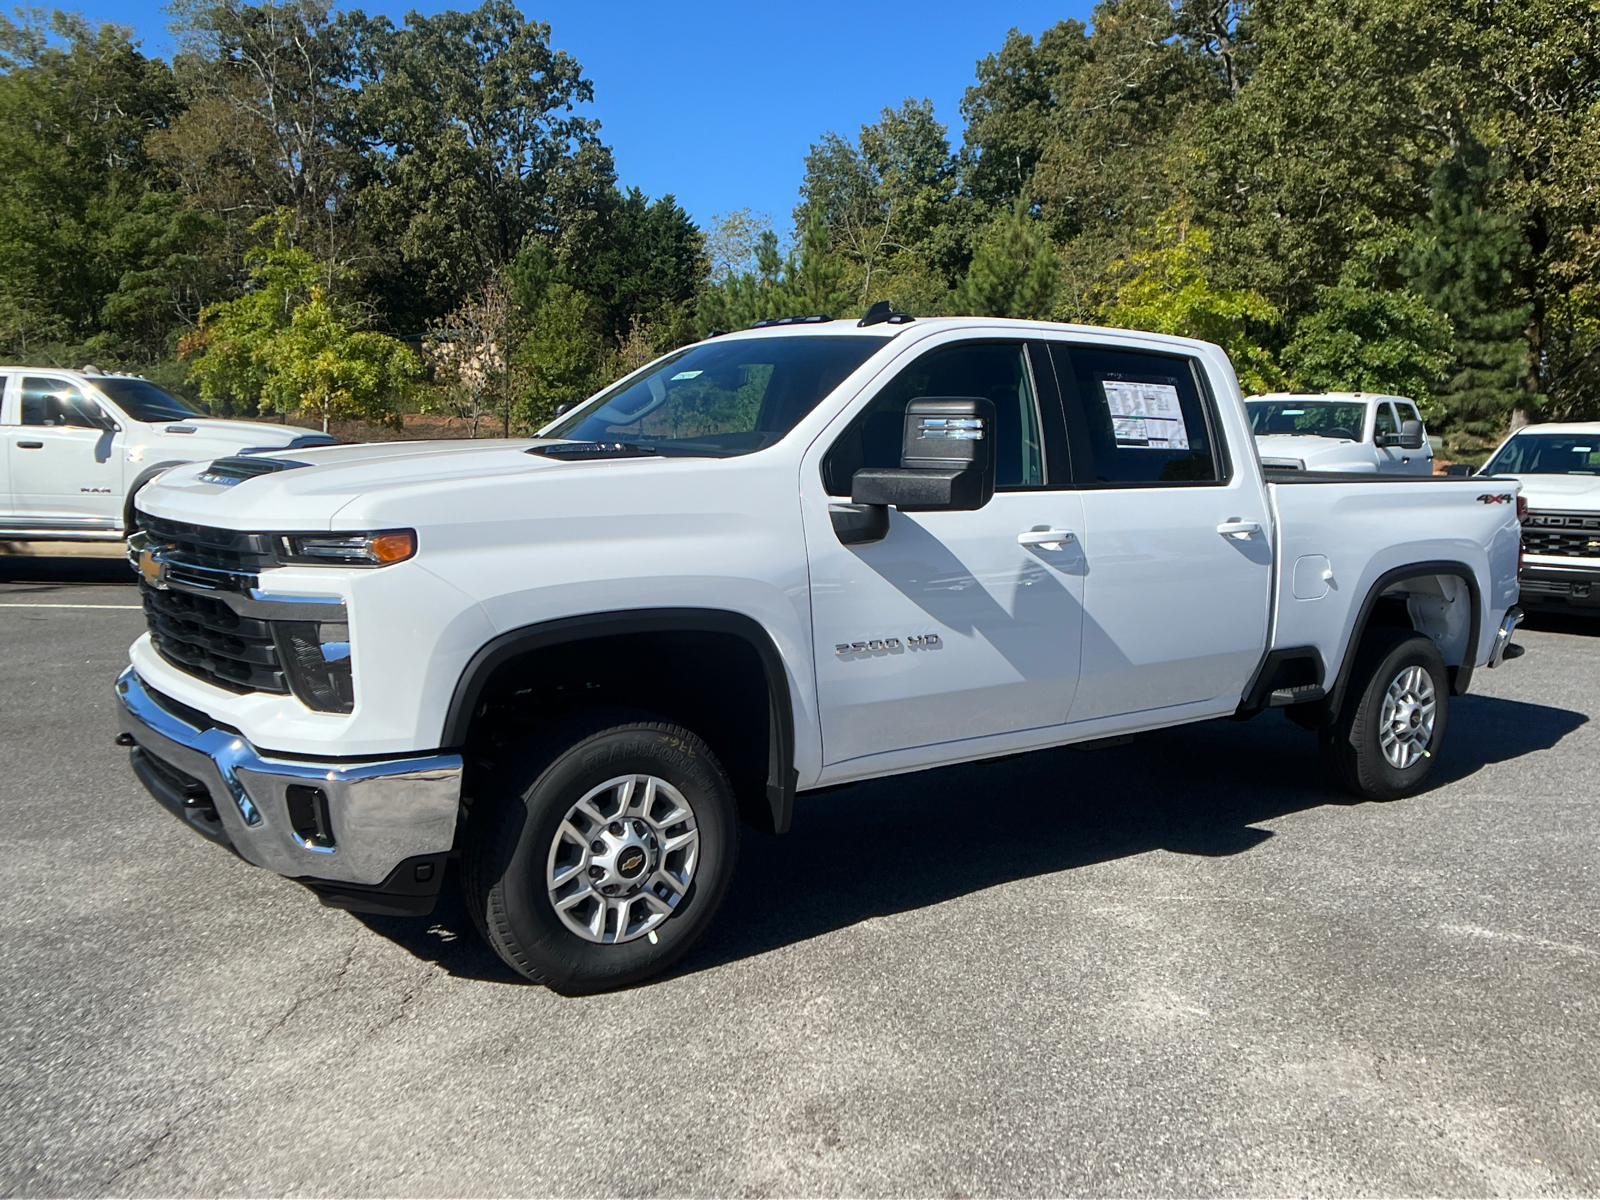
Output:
[[1050, 539], [1236, 528], [30, 445]]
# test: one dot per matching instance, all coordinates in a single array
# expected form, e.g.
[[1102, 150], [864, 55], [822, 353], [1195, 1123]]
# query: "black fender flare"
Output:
[[144, 477], [1460, 677], [781, 775]]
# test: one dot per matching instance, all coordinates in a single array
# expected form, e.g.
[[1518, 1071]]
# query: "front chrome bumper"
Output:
[[378, 813]]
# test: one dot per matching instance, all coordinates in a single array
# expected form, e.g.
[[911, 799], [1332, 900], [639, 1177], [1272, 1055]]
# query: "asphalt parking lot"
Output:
[[1180, 967]]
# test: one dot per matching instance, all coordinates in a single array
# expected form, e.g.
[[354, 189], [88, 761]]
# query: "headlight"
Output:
[[348, 549], [316, 655]]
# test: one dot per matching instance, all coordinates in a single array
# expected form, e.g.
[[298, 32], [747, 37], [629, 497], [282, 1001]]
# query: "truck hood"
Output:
[[1318, 453], [310, 494], [1581, 492], [208, 432]]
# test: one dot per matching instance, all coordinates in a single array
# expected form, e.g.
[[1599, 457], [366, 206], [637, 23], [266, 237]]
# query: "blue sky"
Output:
[[718, 102]]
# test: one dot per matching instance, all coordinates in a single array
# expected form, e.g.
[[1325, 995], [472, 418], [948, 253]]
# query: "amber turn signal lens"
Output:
[[393, 547]]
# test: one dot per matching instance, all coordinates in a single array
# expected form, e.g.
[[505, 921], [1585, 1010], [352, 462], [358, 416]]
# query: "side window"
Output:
[[55, 402], [1408, 412], [996, 371], [1384, 422], [1140, 417]]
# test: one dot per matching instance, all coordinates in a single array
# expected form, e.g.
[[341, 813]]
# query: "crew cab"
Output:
[[776, 561], [80, 444], [1340, 431], [1558, 468]]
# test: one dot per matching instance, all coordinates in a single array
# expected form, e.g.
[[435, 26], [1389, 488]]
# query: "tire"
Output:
[[524, 832], [130, 515], [1359, 747]]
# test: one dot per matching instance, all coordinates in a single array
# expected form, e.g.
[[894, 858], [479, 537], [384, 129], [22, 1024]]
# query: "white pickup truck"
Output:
[[1340, 431], [1558, 467], [776, 561], [80, 444]]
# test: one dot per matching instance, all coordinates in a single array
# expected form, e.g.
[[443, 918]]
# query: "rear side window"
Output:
[[1407, 412], [1135, 418]]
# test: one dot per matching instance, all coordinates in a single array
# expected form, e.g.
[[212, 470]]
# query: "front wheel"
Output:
[[1385, 740], [601, 852]]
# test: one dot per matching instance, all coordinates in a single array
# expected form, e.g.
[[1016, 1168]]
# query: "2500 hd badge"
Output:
[[921, 641]]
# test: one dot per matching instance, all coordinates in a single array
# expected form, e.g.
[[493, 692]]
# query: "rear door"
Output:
[[63, 467], [949, 628], [1178, 559]]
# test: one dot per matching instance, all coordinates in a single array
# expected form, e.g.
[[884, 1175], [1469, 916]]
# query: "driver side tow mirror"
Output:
[[947, 463], [1411, 436]]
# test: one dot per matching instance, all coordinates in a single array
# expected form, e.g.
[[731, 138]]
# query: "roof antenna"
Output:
[[880, 313]]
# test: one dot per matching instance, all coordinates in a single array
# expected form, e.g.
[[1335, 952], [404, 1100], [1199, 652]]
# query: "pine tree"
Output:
[[1466, 263]]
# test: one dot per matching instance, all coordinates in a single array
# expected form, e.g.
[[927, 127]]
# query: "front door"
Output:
[[949, 628], [63, 467], [1178, 557]]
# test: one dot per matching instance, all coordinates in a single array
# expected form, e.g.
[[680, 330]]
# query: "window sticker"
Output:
[[687, 374], [1145, 416]]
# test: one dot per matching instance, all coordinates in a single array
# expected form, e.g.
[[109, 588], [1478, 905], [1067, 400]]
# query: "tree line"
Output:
[[319, 211]]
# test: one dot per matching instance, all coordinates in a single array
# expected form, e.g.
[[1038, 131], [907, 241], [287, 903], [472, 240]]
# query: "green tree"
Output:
[[1466, 262], [472, 146], [1013, 274], [76, 105], [287, 344], [323, 365], [1166, 288], [561, 359], [1365, 338]]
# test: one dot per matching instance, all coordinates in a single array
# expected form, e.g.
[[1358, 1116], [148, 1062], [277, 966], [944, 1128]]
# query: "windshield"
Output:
[[720, 398], [144, 401], [1548, 454], [1307, 418]]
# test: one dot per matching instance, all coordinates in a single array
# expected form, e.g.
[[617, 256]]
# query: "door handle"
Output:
[[1235, 528], [30, 445], [1050, 539]]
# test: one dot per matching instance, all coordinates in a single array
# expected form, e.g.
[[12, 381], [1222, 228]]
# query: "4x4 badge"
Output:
[[1501, 498]]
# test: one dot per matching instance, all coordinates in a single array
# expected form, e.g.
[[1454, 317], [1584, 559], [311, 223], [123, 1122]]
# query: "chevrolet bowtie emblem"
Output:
[[154, 572]]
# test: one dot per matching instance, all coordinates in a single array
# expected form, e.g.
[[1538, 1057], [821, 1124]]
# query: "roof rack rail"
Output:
[[813, 319], [880, 313]]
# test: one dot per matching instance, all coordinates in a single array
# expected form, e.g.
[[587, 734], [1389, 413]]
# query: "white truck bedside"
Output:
[[779, 560], [80, 444]]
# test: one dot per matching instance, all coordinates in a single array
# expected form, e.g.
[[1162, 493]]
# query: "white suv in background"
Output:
[[1559, 469], [1340, 431], [80, 444]]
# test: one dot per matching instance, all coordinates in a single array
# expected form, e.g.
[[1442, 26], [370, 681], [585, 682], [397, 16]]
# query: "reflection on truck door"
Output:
[[964, 632], [1175, 608]]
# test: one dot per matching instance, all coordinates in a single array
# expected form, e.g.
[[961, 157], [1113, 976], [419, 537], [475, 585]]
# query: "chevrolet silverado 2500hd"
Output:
[[80, 444], [778, 560], [1558, 467], [1340, 431]]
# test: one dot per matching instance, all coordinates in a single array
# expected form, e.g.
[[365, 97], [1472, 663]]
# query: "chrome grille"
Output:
[[1561, 535]]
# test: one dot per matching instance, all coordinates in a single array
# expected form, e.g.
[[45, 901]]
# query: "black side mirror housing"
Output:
[[1411, 435], [947, 459]]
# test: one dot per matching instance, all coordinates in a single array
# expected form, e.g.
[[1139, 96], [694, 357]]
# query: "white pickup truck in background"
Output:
[[780, 560], [1340, 431], [1558, 467], [80, 444]]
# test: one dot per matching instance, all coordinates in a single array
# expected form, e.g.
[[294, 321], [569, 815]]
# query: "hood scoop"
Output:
[[229, 471], [580, 451]]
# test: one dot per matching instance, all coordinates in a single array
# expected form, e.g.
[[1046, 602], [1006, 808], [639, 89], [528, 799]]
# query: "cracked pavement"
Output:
[[1182, 966]]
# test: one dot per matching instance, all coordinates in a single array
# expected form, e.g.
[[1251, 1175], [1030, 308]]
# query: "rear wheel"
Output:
[[601, 851], [1385, 740]]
